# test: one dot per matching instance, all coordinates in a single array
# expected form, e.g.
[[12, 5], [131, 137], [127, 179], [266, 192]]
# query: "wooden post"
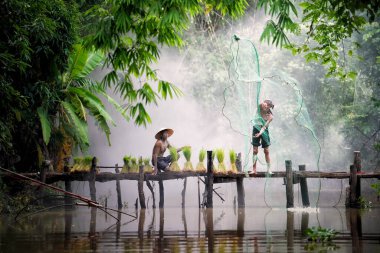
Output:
[[240, 184], [290, 229], [304, 189], [140, 230], [358, 167], [199, 195], [353, 187], [91, 179], [210, 180], [140, 186], [355, 224], [183, 193], [210, 228], [240, 222], [289, 184], [118, 191], [304, 222], [161, 188], [44, 169]]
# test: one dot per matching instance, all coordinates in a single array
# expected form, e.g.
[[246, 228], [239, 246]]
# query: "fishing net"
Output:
[[291, 133]]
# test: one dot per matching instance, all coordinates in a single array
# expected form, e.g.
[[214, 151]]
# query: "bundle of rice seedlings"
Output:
[[82, 164], [134, 165], [220, 157], [200, 166], [174, 165], [213, 153], [147, 167], [233, 161], [127, 164], [187, 153]]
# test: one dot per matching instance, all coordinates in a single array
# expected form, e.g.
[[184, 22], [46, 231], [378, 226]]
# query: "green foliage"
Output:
[[187, 153], [233, 161], [174, 155], [320, 234], [363, 203], [328, 24], [81, 164], [376, 187], [220, 157]]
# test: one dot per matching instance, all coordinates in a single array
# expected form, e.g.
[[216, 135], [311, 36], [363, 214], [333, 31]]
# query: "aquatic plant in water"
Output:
[[174, 165], [220, 157], [187, 154], [320, 234], [233, 161], [200, 166]]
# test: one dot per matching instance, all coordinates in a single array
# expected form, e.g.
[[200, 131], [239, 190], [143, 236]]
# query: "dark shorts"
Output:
[[263, 140], [163, 162]]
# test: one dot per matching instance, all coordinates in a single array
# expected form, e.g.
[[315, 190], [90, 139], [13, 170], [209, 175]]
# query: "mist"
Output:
[[201, 125]]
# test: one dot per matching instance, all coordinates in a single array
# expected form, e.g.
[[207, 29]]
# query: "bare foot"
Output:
[[154, 172], [252, 171]]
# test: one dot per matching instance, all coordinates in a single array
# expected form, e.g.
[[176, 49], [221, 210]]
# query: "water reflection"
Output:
[[190, 229]]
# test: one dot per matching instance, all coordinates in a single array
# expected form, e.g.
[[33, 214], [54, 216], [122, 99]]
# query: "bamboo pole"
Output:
[[289, 184]]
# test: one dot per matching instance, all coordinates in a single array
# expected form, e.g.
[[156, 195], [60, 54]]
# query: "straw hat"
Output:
[[169, 130]]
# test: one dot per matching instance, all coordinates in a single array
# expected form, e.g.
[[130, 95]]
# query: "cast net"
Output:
[[291, 133]]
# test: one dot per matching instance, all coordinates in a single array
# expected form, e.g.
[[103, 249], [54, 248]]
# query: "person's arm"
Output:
[[265, 126], [156, 151], [178, 149]]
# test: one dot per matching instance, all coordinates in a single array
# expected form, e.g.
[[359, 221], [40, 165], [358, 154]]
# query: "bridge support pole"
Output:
[[161, 188], [289, 184], [140, 186], [239, 184], [118, 191], [210, 180], [304, 189], [91, 179]]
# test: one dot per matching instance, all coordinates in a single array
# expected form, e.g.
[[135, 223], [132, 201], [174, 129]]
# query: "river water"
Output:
[[84, 229]]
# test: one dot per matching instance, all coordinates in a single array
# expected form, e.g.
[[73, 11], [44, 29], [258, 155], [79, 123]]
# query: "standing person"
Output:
[[160, 162], [260, 133]]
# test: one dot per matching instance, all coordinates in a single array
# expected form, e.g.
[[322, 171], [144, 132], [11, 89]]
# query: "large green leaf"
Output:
[[79, 125], [82, 62], [45, 124]]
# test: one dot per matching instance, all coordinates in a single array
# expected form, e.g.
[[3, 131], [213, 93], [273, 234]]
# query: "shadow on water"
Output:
[[191, 230]]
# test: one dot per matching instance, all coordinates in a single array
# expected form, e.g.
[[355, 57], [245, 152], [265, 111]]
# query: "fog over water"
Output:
[[201, 127]]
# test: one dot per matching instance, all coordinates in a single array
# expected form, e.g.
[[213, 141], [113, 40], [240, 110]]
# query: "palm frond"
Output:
[[45, 124]]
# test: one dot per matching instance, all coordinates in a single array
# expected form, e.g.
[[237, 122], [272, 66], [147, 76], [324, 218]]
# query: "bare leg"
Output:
[[254, 158], [267, 159]]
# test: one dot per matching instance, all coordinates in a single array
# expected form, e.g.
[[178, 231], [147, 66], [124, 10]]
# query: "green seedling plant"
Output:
[[201, 166], [363, 203], [220, 157], [147, 167], [134, 165], [187, 154], [233, 161], [174, 165], [82, 164], [213, 154], [127, 164]]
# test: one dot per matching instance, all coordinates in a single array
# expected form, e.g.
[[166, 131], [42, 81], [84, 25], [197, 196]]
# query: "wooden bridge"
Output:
[[290, 176]]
